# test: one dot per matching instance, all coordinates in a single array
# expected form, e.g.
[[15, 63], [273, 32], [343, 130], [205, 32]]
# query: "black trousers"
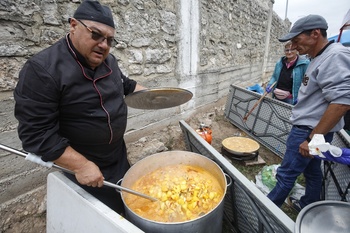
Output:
[[109, 196]]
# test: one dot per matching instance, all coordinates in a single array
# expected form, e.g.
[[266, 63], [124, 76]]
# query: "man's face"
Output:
[[94, 51], [304, 43]]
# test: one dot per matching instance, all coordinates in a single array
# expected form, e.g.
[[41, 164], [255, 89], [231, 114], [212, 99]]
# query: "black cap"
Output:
[[94, 11], [306, 23]]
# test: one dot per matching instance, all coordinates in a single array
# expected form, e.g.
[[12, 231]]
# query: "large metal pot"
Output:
[[324, 217], [210, 222]]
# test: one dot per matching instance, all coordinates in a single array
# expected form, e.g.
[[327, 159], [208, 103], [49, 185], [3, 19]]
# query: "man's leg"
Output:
[[293, 164]]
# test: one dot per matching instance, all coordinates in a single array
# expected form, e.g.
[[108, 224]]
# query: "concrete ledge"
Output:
[[21, 183], [71, 209]]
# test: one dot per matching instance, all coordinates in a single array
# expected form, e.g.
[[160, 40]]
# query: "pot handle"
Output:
[[229, 179], [119, 183]]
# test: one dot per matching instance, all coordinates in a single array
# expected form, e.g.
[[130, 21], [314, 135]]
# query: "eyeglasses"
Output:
[[288, 50], [98, 37]]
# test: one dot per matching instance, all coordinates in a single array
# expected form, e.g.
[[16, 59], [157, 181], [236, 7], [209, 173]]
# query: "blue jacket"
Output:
[[298, 74]]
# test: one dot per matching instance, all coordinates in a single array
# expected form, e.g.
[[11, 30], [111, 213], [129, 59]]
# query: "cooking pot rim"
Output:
[[168, 153]]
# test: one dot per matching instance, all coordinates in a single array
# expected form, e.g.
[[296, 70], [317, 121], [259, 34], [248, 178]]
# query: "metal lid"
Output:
[[240, 145], [158, 98]]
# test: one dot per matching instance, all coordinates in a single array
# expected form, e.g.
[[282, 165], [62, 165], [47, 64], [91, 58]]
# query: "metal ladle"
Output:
[[37, 159]]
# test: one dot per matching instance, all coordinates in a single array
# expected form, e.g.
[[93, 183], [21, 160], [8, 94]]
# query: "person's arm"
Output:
[[335, 84], [330, 118], [37, 102], [274, 77], [86, 172], [37, 98]]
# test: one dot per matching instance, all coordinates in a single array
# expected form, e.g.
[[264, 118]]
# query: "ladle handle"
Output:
[[129, 190], [36, 159]]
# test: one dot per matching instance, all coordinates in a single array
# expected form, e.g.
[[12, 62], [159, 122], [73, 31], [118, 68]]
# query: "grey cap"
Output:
[[306, 23], [94, 11]]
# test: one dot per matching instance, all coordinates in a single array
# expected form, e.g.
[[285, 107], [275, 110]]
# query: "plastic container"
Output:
[[205, 132]]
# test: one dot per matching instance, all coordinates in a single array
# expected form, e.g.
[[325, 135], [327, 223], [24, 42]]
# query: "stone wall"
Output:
[[203, 46]]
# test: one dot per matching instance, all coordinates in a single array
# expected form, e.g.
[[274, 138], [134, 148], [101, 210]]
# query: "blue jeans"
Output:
[[287, 100], [293, 164]]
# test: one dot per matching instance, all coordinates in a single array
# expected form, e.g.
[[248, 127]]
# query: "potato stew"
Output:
[[185, 192]]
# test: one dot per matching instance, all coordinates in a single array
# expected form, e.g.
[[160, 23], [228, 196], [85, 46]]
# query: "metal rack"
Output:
[[247, 209], [269, 124]]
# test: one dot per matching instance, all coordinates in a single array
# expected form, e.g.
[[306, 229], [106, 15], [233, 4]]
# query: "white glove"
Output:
[[318, 145]]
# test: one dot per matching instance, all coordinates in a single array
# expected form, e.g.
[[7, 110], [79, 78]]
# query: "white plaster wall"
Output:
[[189, 35]]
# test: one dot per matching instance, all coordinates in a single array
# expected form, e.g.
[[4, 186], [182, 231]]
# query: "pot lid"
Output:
[[158, 98], [240, 144]]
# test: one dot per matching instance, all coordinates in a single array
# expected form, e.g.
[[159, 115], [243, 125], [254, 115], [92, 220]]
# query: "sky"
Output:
[[332, 10]]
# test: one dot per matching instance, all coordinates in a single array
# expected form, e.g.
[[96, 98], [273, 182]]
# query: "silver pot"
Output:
[[210, 222], [324, 217]]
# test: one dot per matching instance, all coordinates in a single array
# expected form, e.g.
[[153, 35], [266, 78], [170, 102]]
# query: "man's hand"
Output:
[[89, 174], [86, 172], [304, 150]]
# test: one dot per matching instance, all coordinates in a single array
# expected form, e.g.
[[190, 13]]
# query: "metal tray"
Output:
[[324, 217], [158, 98], [228, 145]]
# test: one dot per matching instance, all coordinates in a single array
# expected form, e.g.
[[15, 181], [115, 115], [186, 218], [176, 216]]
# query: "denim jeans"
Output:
[[293, 164], [288, 100]]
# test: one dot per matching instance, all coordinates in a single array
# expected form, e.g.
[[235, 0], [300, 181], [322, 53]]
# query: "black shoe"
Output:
[[294, 203]]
